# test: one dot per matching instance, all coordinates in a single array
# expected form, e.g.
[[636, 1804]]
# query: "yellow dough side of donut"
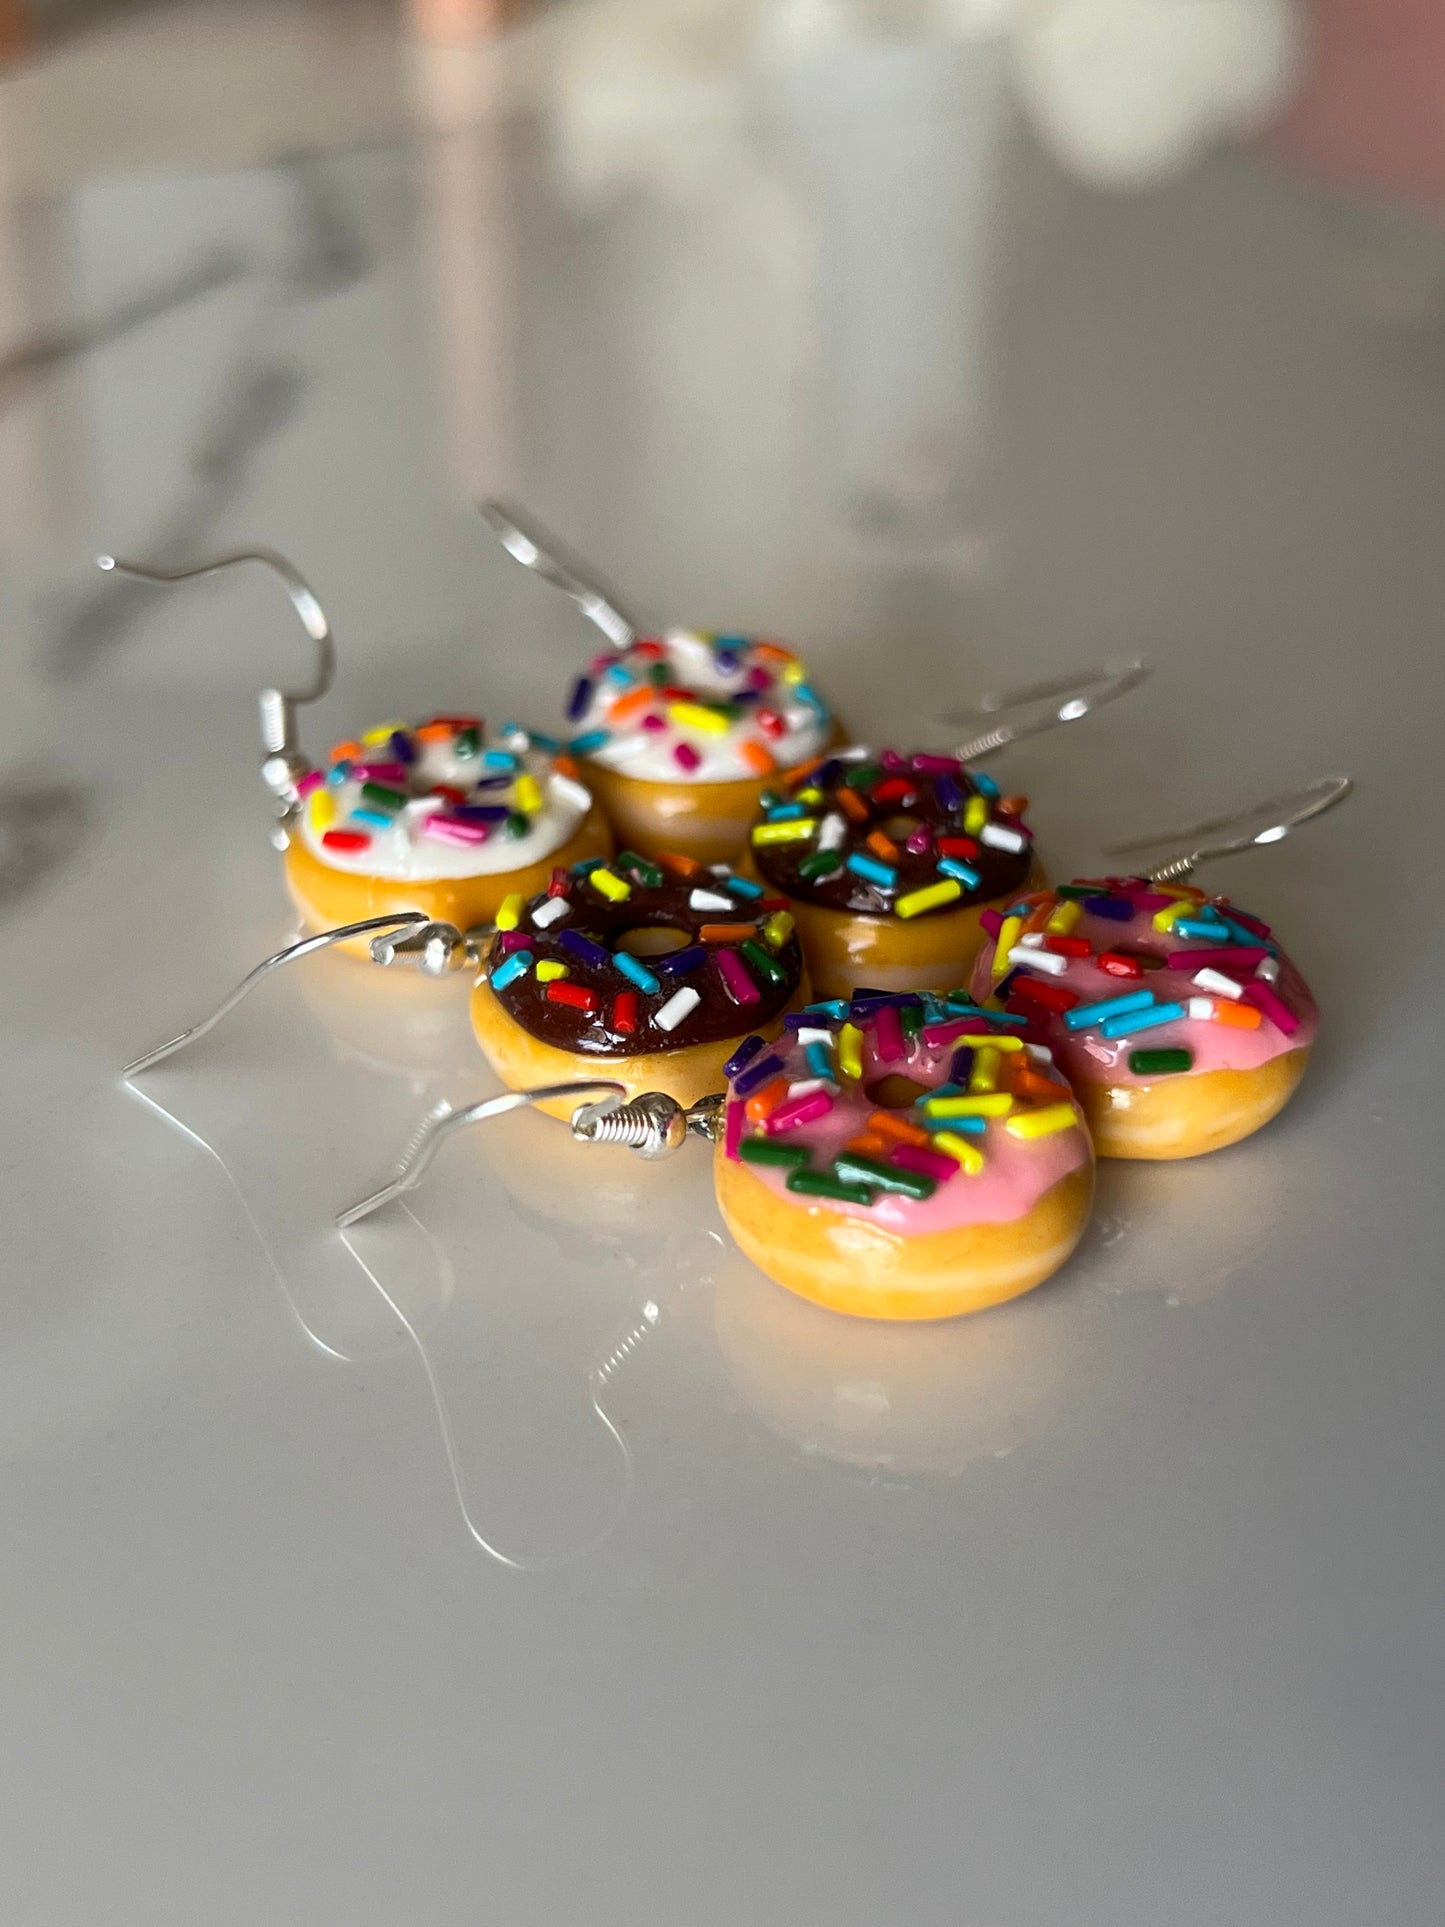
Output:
[[327, 897], [863, 1269], [844, 950], [523, 1061], [1182, 1117], [707, 821]]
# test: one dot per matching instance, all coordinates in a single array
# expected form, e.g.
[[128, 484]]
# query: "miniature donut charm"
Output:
[[678, 734], [1180, 1023], [648, 974], [887, 862], [438, 818], [906, 1156]]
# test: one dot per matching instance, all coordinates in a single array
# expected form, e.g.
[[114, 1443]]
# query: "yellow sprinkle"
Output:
[[548, 972], [778, 929], [928, 898], [1008, 936], [798, 831], [384, 734], [1003, 1042], [1165, 919], [793, 671], [850, 1051], [975, 815], [984, 1075], [610, 884], [510, 914], [808, 797], [322, 805], [527, 794], [960, 1150], [991, 1104], [1042, 1123], [1065, 917], [694, 716]]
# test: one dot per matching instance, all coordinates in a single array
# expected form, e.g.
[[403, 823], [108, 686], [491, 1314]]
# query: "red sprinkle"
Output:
[[624, 1013], [894, 789], [573, 994], [769, 721], [560, 883], [1047, 996], [1116, 965], [346, 839], [1068, 946], [646, 647], [959, 846]]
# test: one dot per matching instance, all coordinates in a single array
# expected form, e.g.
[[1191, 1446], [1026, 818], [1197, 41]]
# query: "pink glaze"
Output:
[[1016, 1174], [1216, 1047]]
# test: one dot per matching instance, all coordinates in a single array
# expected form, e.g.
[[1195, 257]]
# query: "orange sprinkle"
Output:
[[726, 932], [770, 652], [1038, 918], [1012, 805], [1242, 1016], [632, 704], [852, 804], [764, 1102], [868, 1145], [884, 1124], [883, 846], [433, 733], [1026, 1083], [344, 752], [564, 764], [680, 866], [756, 757], [800, 772]]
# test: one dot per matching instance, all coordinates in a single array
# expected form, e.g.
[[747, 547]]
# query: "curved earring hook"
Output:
[[409, 922], [1038, 706], [528, 543], [1268, 821], [435, 1130], [284, 761]]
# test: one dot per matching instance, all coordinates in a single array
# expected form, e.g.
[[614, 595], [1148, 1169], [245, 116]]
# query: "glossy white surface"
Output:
[[531, 1559]]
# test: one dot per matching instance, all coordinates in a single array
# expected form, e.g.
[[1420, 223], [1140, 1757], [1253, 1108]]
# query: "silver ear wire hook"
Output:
[[1043, 705], [1269, 821], [410, 921], [284, 763], [540, 552], [653, 1125]]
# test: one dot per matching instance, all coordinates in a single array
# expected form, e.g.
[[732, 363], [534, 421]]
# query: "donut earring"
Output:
[[434, 820], [901, 1157], [1180, 1022], [890, 862], [678, 732]]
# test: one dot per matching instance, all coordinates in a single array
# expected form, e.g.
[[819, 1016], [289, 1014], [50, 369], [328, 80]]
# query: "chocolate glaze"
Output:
[[1001, 872], [653, 906]]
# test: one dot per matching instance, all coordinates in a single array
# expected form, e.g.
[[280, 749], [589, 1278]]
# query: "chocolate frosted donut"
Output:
[[572, 974], [886, 861]]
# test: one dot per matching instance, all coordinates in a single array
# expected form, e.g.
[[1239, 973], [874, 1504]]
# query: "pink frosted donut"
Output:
[[1179, 1021], [903, 1156]]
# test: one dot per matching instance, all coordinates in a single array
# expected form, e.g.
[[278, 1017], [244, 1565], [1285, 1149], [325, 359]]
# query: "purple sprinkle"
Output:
[[402, 747], [1117, 908], [948, 792], [481, 812], [510, 940], [962, 1065], [583, 948], [1005, 984], [825, 777], [871, 1000], [680, 961], [577, 702], [746, 1051], [757, 1074]]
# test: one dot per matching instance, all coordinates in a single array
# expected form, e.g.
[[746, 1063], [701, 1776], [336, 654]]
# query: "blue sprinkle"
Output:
[[635, 972], [1118, 908], [581, 695], [746, 1051], [787, 812], [517, 965], [589, 740], [741, 886], [1242, 934], [820, 1063], [883, 874], [1201, 930], [805, 693], [1126, 1026], [681, 961], [1083, 1015], [757, 1074], [540, 740], [378, 819], [729, 645], [953, 866], [337, 774], [984, 783], [498, 759], [618, 676], [970, 1126], [584, 949], [586, 865]]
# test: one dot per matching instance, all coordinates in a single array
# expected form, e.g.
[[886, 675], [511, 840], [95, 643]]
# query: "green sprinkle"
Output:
[[467, 742], [518, 823], [765, 965], [911, 1019], [659, 675], [765, 1150], [853, 1168], [383, 796], [824, 863], [1155, 1063], [1076, 892], [822, 1184], [646, 873], [862, 778], [769, 799]]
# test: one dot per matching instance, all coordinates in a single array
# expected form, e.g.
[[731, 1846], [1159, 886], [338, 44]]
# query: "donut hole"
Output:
[[1144, 958], [901, 827], [652, 940], [894, 1092]]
